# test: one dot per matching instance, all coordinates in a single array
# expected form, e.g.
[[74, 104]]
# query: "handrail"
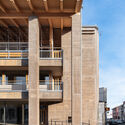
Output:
[[13, 45], [14, 82], [13, 54], [51, 85], [51, 54], [49, 48], [12, 42]]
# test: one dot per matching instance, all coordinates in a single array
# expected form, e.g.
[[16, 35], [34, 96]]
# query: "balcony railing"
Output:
[[13, 85], [51, 85], [13, 45], [48, 53], [13, 50], [13, 54]]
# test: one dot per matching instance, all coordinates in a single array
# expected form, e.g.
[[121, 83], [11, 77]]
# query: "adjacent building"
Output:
[[118, 112], [102, 106], [49, 64]]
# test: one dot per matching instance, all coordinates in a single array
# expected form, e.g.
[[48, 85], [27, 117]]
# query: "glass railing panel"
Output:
[[13, 85], [48, 53], [51, 85]]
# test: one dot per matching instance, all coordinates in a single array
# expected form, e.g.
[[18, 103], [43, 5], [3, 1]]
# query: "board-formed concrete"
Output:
[[33, 82], [90, 74], [76, 70], [61, 111]]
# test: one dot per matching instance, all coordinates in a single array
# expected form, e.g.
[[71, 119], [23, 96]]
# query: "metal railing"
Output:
[[51, 85], [13, 45], [83, 123], [20, 85], [58, 123], [48, 53], [13, 85], [63, 123], [13, 54]]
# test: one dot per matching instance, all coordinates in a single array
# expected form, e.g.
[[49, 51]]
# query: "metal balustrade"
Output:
[[63, 123], [13, 50], [13, 85], [51, 85], [19, 50], [59, 123], [48, 53], [83, 123], [13, 54], [13, 45]]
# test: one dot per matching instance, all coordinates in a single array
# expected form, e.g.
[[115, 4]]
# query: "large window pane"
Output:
[[20, 79], [0, 80], [1, 114]]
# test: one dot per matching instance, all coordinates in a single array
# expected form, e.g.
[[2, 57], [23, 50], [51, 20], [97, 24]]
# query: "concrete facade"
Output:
[[34, 102], [90, 75], [58, 67]]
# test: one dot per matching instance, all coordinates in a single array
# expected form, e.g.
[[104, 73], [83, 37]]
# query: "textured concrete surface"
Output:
[[90, 75], [33, 82], [61, 111], [76, 70]]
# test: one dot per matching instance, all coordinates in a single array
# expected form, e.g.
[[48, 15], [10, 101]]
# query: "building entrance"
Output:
[[13, 114], [43, 115]]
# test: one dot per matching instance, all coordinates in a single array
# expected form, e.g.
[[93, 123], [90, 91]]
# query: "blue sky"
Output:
[[109, 16]]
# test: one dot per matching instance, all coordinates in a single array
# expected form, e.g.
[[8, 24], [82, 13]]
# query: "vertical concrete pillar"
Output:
[[3, 79], [76, 70], [34, 105], [90, 74]]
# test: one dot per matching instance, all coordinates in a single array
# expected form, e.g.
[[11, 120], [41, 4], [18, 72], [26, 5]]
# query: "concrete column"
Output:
[[3, 79], [76, 70], [34, 103]]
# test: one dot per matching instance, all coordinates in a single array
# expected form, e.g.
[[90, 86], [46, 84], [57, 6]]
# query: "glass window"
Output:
[[0, 80], [1, 114], [20, 79], [11, 115], [26, 114]]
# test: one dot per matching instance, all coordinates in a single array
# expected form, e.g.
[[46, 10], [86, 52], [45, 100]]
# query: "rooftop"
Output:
[[55, 13]]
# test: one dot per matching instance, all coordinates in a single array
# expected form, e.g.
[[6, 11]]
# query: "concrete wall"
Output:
[[61, 111], [101, 113], [90, 75]]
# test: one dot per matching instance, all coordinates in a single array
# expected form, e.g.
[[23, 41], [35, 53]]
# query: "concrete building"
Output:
[[117, 112], [49, 64], [123, 116], [102, 106]]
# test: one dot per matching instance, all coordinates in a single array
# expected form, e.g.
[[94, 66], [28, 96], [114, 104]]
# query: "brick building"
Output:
[[49, 64]]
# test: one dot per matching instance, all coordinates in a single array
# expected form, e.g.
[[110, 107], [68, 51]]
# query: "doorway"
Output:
[[43, 115]]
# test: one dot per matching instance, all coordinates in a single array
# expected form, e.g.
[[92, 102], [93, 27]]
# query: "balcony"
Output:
[[13, 53], [13, 90], [51, 90], [51, 57]]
